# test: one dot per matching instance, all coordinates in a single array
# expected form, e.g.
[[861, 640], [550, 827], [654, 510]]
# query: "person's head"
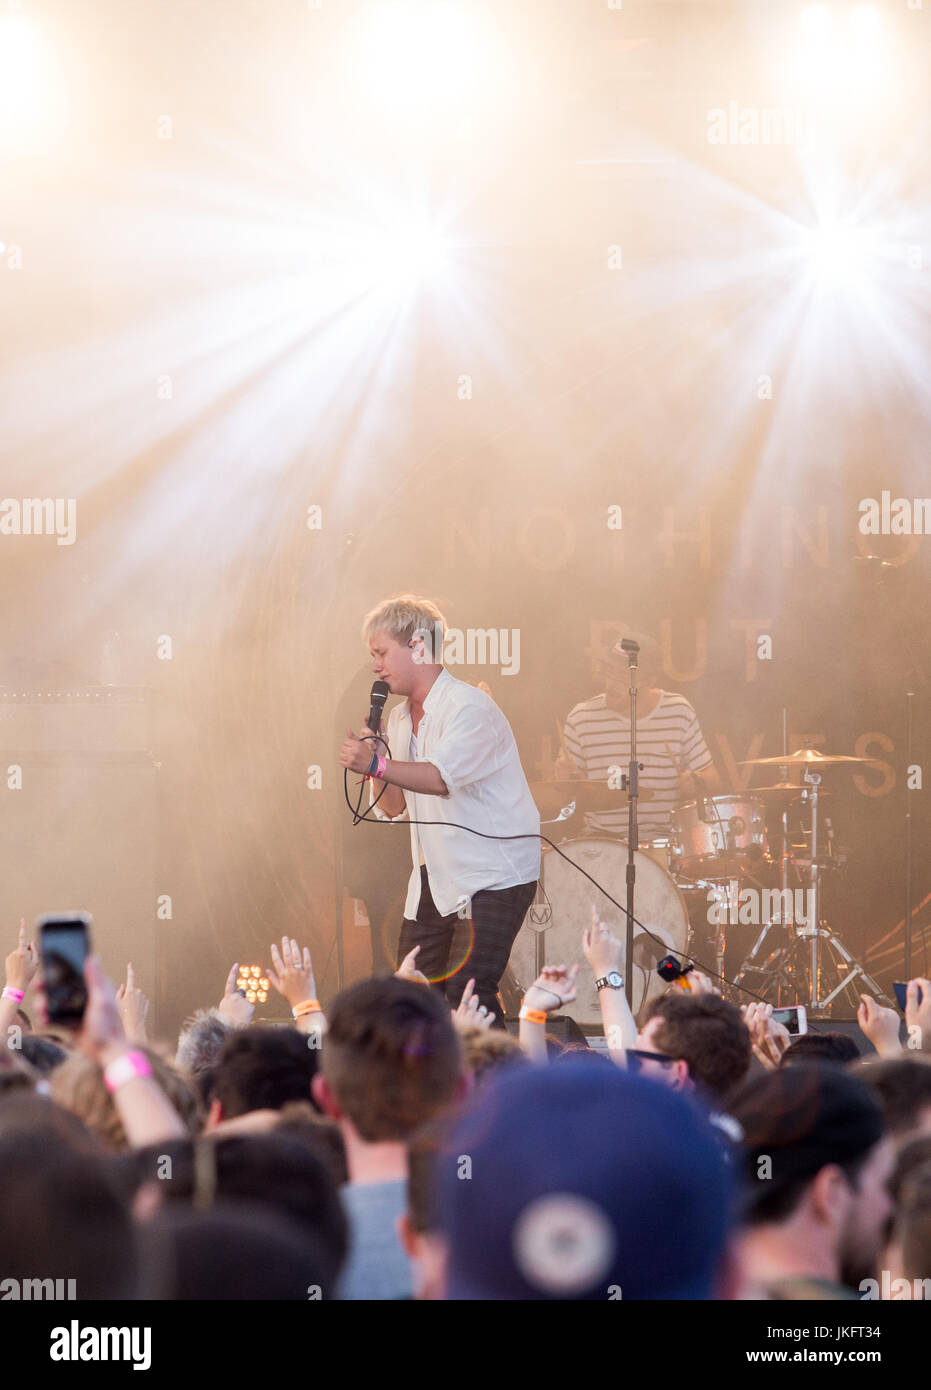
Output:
[[816, 1165], [909, 1249], [392, 1059], [611, 667], [200, 1042], [77, 1084], [696, 1040], [405, 638], [63, 1218], [912, 1155], [487, 1050], [582, 1182], [820, 1047], [903, 1086], [31, 1113], [17, 1077], [262, 1069], [233, 1251], [269, 1169], [323, 1136]]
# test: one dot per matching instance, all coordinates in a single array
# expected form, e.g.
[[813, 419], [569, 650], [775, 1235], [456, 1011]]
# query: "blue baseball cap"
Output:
[[581, 1181]]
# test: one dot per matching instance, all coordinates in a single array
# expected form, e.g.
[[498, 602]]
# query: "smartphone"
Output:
[[64, 944], [795, 1020], [900, 994]]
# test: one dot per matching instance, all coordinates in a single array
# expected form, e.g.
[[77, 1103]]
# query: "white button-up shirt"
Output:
[[468, 740]]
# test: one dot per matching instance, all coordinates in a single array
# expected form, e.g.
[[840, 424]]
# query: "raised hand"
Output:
[[880, 1025], [234, 1008], [470, 1013], [553, 987], [133, 1007], [768, 1038], [292, 973], [22, 962], [601, 948], [407, 970]]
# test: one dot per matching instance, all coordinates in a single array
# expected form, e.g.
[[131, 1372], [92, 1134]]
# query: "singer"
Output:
[[455, 765]]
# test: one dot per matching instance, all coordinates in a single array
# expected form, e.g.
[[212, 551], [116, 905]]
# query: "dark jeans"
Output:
[[454, 950]]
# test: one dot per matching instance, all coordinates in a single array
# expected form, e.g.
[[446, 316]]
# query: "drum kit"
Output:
[[728, 863]]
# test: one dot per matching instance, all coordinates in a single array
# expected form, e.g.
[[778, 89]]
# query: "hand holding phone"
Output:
[[64, 943]]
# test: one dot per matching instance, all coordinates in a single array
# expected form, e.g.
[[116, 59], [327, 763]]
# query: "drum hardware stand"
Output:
[[785, 860], [806, 938]]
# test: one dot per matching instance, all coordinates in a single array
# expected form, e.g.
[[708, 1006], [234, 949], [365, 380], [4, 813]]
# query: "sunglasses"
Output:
[[636, 1058]]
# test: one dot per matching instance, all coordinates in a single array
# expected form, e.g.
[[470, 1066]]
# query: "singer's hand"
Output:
[[354, 754]]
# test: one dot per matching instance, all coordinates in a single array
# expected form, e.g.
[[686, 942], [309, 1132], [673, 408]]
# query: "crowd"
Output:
[[394, 1147]]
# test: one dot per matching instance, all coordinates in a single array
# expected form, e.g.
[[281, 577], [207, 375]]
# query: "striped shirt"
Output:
[[669, 740]]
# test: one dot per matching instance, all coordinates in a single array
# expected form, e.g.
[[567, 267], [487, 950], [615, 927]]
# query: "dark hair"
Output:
[[706, 1032], [270, 1169], [392, 1057], [912, 1228], [903, 1086], [234, 1251], [301, 1122], [42, 1052], [780, 1200], [820, 1047], [32, 1114], [796, 1121], [912, 1156], [63, 1218], [263, 1069]]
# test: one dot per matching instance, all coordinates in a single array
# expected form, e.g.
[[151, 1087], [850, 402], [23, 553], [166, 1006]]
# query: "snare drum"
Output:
[[711, 832], [563, 911]]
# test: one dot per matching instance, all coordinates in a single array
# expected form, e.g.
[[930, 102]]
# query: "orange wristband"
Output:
[[532, 1015], [309, 1006]]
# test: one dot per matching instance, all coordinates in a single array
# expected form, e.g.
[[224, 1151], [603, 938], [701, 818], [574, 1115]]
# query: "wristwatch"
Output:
[[612, 981]]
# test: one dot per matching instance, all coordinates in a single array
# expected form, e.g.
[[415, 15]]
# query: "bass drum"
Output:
[[562, 911]]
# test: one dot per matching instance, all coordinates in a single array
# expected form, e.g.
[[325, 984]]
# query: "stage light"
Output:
[[253, 983]]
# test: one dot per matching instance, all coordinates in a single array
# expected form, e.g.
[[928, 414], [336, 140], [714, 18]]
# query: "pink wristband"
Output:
[[380, 766], [125, 1068], [17, 995]]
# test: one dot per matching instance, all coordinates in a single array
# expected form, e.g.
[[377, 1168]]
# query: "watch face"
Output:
[[615, 979]]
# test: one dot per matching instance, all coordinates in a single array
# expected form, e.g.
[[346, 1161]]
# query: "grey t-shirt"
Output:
[[377, 1267]]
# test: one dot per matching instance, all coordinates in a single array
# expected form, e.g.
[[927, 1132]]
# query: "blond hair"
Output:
[[406, 616]]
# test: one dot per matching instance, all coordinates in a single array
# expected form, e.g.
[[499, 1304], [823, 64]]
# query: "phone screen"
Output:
[[65, 946], [793, 1020]]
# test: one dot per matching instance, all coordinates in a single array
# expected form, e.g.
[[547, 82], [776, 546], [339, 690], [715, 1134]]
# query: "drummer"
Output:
[[677, 766]]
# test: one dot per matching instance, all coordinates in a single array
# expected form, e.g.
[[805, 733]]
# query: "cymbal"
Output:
[[588, 795], [803, 757], [788, 790]]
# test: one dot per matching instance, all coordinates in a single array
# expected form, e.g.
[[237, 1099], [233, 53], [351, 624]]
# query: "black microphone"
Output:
[[379, 695]]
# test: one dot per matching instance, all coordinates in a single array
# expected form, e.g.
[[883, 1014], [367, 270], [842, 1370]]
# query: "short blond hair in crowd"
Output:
[[405, 616]]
